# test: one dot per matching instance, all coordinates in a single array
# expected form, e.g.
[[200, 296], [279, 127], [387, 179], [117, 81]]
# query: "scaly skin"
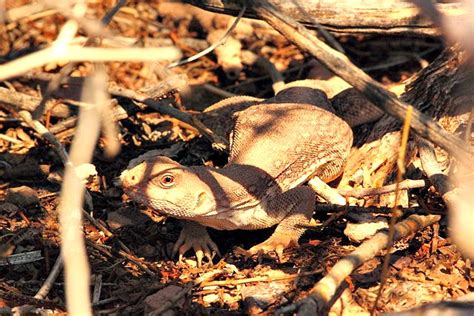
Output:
[[275, 148]]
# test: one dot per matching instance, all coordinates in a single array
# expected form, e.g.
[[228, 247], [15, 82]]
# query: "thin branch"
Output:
[[92, 54], [260, 279], [395, 212], [109, 15], [196, 282], [45, 134], [213, 46], [323, 292], [48, 283], [54, 84], [218, 141], [335, 208], [404, 185], [166, 86], [73, 248], [218, 91], [326, 192]]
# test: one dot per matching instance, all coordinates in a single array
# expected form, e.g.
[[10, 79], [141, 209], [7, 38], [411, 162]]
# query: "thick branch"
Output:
[[347, 16], [323, 292], [373, 91]]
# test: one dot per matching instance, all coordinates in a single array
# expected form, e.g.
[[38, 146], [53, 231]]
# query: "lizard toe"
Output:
[[199, 256], [204, 247], [275, 245]]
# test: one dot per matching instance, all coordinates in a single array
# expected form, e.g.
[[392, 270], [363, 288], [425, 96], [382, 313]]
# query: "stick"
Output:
[[91, 54], [335, 208], [326, 192], [54, 84], [45, 134], [260, 279], [73, 250], [165, 86], [218, 141], [323, 292], [48, 283], [348, 16], [395, 211], [404, 185], [213, 46]]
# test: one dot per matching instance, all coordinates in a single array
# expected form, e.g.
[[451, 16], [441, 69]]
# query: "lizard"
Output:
[[275, 146]]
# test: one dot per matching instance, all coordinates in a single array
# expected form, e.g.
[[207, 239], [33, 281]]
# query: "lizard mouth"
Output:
[[157, 207]]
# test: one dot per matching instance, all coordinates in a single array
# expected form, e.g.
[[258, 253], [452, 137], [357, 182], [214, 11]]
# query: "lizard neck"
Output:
[[239, 193], [235, 183]]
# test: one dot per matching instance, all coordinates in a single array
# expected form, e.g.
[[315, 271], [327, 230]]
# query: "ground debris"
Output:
[[130, 251]]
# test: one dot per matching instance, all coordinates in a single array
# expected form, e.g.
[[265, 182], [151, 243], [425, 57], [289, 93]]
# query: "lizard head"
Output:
[[167, 187]]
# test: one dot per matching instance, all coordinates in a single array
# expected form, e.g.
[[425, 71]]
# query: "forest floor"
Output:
[[129, 253]]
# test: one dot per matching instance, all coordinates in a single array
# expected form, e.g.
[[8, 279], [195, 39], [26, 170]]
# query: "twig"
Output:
[[45, 134], [275, 75], [110, 14], [91, 54], [106, 250], [125, 252], [374, 91], [203, 278], [218, 141], [24, 11], [59, 148], [54, 84], [10, 139], [166, 86], [260, 279], [104, 229], [64, 38], [213, 46], [250, 58], [142, 98], [97, 289], [48, 283], [404, 185], [326, 192], [349, 16], [395, 212], [18, 100], [218, 91], [73, 249], [334, 208], [432, 169], [323, 292], [118, 114]]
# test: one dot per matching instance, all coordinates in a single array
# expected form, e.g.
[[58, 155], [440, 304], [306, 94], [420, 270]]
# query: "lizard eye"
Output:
[[167, 180]]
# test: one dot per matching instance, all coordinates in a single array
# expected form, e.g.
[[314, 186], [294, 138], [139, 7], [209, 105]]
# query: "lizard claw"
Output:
[[272, 244], [199, 241]]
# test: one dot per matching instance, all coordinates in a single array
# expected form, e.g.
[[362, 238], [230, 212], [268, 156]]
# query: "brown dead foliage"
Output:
[[129, 254]]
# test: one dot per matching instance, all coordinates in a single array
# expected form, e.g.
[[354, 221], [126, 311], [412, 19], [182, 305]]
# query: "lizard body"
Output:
[[275, 147]]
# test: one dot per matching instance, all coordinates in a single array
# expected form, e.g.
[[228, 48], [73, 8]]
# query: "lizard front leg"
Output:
[[194, 235], [296, 206]]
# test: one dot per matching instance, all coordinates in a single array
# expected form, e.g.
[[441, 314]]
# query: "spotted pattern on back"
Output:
[[291, 142]]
